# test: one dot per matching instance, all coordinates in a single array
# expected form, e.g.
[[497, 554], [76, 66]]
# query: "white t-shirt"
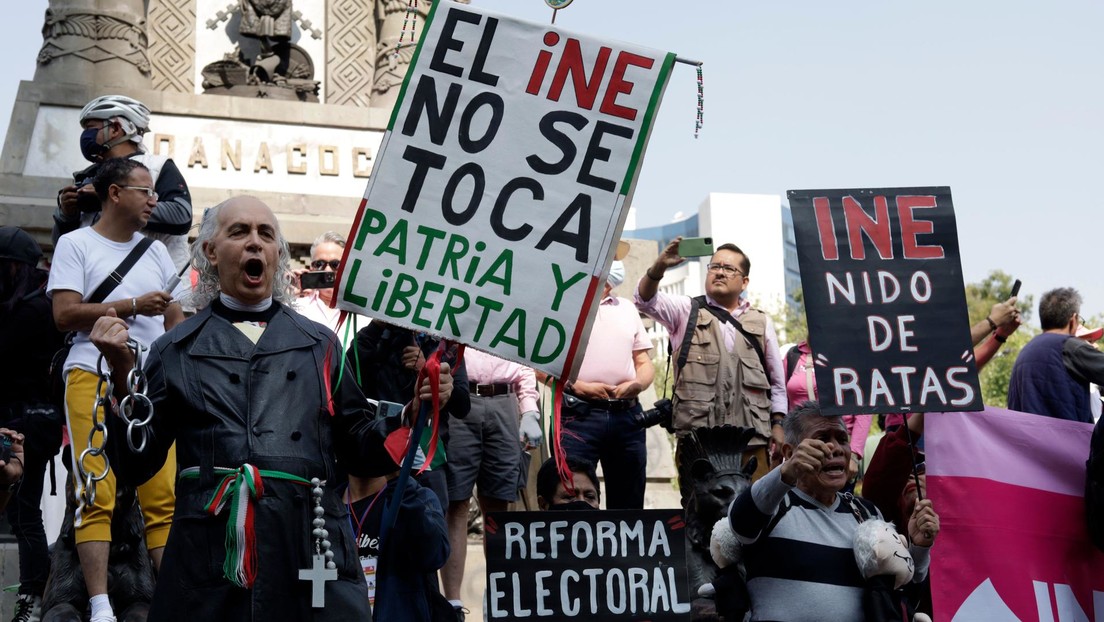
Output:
[[84, 258]]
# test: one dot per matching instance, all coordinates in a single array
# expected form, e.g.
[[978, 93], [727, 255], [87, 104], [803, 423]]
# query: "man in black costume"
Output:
[[250, 390]]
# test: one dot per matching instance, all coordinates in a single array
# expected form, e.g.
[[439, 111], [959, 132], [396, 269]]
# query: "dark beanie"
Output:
[[18, 245]]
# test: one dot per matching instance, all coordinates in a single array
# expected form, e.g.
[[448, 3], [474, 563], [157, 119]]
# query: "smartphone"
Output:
[[317, 280], [695, 247], [5, 448], [1015, 289]]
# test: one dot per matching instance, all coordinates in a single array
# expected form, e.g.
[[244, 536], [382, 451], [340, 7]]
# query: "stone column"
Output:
[[96, 42]]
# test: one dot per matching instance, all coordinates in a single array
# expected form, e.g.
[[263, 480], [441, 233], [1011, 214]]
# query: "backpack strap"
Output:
[[783, 507], [116, 277], [792, 357]]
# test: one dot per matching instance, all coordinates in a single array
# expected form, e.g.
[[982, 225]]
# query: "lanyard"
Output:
[[358, 525]]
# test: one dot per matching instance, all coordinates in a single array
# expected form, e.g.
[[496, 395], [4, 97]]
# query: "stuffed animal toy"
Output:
[[728, 589], [881, 553], [885, 562]]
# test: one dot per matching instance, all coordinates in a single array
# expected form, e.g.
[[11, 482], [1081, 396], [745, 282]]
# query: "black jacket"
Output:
[[226, 402], [376, 362], [28, 340]]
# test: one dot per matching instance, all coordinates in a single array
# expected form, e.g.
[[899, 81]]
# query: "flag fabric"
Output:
[[1013, 545]]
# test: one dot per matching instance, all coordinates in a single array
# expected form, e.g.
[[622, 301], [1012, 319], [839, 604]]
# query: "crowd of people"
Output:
[[259, 428]]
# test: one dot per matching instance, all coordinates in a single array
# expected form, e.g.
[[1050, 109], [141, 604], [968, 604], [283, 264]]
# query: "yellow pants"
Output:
[[157, 497]]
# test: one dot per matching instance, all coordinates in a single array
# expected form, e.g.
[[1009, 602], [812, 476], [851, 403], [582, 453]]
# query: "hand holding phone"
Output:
[[695, 247]]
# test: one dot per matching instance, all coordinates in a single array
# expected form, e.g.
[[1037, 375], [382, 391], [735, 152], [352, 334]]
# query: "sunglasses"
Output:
[[320, 264]]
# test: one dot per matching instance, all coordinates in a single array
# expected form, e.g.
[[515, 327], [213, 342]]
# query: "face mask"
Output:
[[90, 149], [571, 505]]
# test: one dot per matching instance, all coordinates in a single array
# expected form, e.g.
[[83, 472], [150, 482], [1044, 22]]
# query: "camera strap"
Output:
[[724, 316], [116, 277]]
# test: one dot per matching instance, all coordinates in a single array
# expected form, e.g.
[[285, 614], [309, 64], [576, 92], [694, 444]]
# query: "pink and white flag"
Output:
[[1009, 489]]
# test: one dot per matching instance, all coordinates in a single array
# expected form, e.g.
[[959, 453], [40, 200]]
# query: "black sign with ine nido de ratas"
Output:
[[882, 284]]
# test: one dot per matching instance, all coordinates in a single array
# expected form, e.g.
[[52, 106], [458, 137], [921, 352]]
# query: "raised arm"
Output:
[[649, 283]]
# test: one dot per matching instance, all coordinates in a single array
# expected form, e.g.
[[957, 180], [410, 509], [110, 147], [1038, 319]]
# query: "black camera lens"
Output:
[[658, 414]]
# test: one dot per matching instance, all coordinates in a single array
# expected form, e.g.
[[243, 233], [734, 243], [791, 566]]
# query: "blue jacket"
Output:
[[415, 549], [1042, 385]]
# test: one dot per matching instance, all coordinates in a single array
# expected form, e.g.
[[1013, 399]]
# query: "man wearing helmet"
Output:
[[113, 126]]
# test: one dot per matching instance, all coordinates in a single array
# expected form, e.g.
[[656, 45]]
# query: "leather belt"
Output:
[[614, 404], [489, 390]]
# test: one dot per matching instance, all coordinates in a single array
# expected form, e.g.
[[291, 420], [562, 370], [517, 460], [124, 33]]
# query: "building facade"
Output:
[[760, 224]]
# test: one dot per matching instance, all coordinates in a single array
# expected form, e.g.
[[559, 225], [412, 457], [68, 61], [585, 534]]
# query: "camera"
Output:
[[660, 413], [317, 280], [87, 200]]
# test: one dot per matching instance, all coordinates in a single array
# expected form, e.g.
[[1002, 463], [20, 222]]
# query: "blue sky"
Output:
[[1001, 101]]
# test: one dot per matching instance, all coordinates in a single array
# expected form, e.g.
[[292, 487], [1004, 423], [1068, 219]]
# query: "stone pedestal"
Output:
[[309, 162]]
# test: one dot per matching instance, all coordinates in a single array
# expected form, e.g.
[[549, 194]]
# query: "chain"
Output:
[[701, 104], [411, 17], [136, 396], [105, 402]]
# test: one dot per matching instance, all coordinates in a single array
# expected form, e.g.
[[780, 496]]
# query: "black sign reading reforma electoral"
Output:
[[882, 284], [614, 565]]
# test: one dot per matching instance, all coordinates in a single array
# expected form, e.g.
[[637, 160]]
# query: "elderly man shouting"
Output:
[[798, 530], [252, 394]]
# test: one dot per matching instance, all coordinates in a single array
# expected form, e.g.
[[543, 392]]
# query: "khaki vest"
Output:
[[717, 387]]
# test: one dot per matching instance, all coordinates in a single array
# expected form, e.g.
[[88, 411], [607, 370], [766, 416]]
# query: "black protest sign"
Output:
[[882, 283], [614, 565]]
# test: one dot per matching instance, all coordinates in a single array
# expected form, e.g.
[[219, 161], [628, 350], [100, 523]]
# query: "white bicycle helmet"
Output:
[[133, 114]]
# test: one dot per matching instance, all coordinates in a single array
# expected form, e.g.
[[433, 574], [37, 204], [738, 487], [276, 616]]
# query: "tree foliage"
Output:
[[980, 298]]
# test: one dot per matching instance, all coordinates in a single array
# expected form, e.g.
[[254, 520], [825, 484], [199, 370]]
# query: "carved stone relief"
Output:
[[350, 52], [94, 36], [172, 44]]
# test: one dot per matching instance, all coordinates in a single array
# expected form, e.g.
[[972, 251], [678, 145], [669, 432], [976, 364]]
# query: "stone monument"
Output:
[[284, 99]]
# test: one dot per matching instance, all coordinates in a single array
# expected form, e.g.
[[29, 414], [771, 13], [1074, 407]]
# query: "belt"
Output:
[[489, 390], [237, 493], [610, 404]]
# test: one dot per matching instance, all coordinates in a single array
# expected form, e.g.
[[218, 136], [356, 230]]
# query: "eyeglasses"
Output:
[[320, 264], [149, 191], [725, 268]]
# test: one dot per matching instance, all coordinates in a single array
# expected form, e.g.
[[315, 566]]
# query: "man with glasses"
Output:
[[325, 256], [1052, 373], [728, 370], [112, 127], [145, 297]]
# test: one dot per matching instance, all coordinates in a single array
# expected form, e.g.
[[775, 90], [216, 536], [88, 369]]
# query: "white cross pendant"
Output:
[[318, 574]]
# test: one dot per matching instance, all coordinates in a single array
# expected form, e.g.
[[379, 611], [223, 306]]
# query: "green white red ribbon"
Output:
[[239, 489]]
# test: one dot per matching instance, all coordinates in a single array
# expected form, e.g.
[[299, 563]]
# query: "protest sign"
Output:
[[1013, 545], [502, 185], [611, 566], [882, 284]]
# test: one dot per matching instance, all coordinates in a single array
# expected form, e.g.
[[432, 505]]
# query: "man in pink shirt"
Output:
[[732, 370], [486, 449], [600, 409]]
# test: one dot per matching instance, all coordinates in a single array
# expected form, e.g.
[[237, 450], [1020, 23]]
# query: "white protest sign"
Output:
[[502, 185]]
